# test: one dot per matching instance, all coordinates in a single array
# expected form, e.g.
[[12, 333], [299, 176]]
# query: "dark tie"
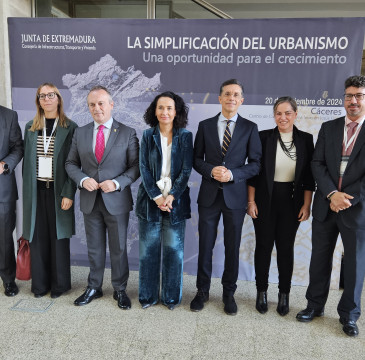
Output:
[[100, 144], [227, 137]]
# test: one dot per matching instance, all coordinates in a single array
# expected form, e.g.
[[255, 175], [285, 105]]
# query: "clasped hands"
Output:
[[165, 203], [106, 186], [221, 174], [340, 201]]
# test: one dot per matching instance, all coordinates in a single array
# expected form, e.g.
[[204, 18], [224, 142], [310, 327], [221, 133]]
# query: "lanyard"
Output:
[[349, 142], [45, 142]]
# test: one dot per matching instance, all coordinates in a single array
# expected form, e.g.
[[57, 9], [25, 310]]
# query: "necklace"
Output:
[[289, 150]]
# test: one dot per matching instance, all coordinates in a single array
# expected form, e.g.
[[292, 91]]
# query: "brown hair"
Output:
[[38, 122]]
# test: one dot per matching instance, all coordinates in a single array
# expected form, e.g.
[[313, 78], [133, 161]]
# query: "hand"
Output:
[[340, 201], [168, 202], [107, 186], [221, 174], [160, 203], [304, 213], [66, 203], [1, 167], [90, 184], [252, 209]]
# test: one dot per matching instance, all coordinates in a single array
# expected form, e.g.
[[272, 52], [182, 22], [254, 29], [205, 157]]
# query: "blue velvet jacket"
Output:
[[150, 163]]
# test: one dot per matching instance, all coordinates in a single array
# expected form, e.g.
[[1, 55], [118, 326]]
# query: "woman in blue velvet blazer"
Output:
[[163, 201]]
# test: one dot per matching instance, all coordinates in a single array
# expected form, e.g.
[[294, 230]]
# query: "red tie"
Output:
[[100, 144]]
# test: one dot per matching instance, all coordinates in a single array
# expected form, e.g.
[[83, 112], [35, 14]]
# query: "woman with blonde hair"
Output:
[[48, 193]]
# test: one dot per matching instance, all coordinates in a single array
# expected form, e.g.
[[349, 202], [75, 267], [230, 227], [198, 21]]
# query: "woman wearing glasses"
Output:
[[48, 193], [279, 198]]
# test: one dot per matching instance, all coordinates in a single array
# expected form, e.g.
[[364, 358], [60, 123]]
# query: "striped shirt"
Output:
[[40, 146]]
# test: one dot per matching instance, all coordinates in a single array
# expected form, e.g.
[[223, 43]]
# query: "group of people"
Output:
[[270, 175]]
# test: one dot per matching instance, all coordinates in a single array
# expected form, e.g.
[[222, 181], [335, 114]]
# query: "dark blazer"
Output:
[[245, 145], [63, 185], [325, 168], [150, 166], [11, 152], [263, 183], [119, 162]]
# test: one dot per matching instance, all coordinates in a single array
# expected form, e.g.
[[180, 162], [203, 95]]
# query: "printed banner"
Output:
[[308, 59]]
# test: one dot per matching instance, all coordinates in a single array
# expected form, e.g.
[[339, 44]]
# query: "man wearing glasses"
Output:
[[338, 167], [227, 152]]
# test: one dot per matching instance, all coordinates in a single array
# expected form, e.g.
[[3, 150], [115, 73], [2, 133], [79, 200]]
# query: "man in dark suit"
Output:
[[338, 167], [11, 152], [227, 152], [103, 161]]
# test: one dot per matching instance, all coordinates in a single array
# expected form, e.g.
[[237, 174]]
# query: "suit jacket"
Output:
[[263, 183], [63, 185], [119, 162], [242, 159], [11, 152], [150, 166], [326, 169]]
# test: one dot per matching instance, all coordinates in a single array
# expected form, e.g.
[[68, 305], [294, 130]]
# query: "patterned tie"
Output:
[[227, 137], [350, 132], [100, 144], [351, 129]]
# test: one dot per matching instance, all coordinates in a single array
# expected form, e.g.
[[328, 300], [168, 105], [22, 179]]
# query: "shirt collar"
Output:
[[108, 124], [233, 118], [348, 121]]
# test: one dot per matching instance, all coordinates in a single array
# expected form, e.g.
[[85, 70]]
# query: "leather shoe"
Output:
[[349, 327], [123, 300], [230, 306], [11, 289], [88, 296], [283, 304], [39, 295], [56, 294], [261, 302], [171, 306], [308, 314], [200, 298]]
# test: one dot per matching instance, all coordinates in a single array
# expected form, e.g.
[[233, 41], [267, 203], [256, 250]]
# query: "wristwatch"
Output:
[[6, 169]]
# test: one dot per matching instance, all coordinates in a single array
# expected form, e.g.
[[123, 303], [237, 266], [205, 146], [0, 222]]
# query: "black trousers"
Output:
[[7, 255], [324, 238], [280, 227], [208, 225], [50, 257]]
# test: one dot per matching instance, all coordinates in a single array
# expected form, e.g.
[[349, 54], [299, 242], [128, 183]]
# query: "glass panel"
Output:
[[134, 9], [181, 9]]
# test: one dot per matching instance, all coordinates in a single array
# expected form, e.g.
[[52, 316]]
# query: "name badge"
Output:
[[45, 167], [343, 167]]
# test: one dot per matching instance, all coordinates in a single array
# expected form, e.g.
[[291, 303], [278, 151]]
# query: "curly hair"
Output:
[[357, 81], [181, 118]]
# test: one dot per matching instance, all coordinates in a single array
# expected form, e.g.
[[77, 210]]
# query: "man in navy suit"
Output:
[[11, 152], [227, 152], [338, 167]]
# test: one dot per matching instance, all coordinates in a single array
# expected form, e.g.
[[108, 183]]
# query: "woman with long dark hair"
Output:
[[163, 201]]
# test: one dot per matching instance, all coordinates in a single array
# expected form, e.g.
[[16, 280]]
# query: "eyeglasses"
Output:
[[50, 95], [358, 96]]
